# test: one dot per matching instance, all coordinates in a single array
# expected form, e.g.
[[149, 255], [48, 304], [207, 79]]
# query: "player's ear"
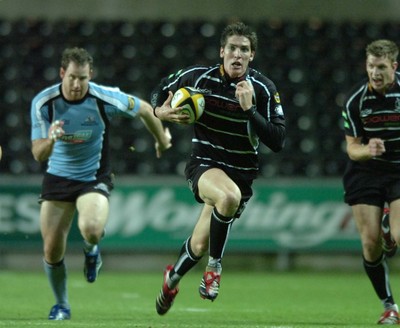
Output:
[[221, 52], [62, 72], [252, 55]]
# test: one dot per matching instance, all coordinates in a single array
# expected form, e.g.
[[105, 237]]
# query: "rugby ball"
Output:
[[191, 101]]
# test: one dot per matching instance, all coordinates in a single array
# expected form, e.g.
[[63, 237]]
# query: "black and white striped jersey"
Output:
[[368, 114], [225, 134]]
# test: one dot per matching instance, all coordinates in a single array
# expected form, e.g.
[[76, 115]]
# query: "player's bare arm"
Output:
[[43, 148], [358, 151], [154, 126], [169, 114]]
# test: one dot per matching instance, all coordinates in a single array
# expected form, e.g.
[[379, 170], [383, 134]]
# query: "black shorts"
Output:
[[371, 187], [195, 168], [62, 189]]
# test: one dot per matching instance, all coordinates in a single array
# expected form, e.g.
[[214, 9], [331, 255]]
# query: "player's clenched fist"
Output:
[[376, 146], [56, 131]]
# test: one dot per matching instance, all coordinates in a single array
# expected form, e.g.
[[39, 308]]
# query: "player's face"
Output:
[[381, 72], [75, 81], [236, 55]]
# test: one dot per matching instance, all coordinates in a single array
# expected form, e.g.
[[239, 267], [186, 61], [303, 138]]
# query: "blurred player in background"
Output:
[[70, 125], [372, 128], [242, 108]]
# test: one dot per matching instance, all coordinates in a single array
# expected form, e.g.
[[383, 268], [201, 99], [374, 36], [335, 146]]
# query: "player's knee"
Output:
[[52, 254], [92, 231], [372, 249], [229, 203]]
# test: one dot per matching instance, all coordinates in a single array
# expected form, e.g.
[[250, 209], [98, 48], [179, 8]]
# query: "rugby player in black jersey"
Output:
[[242, 109], [372, 177]]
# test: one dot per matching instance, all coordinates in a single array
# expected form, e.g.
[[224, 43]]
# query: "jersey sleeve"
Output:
[[351, 119], [268, 120], [181, 78], [41, 112], [116, 101], [40, 122]]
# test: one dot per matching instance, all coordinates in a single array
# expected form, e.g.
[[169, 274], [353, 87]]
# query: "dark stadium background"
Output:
[[312, 49]]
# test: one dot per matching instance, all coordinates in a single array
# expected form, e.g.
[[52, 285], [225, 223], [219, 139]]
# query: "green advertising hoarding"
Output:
[[159, 214]]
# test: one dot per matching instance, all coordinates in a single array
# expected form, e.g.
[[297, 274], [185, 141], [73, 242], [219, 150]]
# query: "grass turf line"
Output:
[[246, 300]]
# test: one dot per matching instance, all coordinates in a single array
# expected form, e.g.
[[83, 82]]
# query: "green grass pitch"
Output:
[[246, 300]]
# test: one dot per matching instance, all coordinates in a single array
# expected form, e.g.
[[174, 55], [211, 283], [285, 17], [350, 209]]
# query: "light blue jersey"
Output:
[[82, 153]]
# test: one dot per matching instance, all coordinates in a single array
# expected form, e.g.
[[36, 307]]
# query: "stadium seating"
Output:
[[313, 63]]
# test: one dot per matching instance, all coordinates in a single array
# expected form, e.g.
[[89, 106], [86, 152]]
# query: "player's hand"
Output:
[[244, 94], [169, 114], [376, 147], [166, 144], [56, 131]]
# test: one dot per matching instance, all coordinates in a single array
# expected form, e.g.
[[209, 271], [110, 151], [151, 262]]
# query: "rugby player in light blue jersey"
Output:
[[70, 130]]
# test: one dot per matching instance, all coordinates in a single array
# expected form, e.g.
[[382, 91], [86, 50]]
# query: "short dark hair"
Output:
[[383, 48], [241, 29], [76, 55]]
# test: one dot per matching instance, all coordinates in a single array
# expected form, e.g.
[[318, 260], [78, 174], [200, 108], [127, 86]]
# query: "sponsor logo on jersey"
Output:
[[222, 104], [279, 110], [131, 104], [77, 137], [103, 187], [382, 119], [190, 183], [277, 98], [89, 121], [397, 105], [365, 112]]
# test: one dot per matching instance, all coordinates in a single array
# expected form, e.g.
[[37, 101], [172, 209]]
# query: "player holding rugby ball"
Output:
[[242, 108]]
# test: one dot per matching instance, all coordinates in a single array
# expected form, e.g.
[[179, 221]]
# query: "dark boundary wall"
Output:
[[291, 223], [212, 10]]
